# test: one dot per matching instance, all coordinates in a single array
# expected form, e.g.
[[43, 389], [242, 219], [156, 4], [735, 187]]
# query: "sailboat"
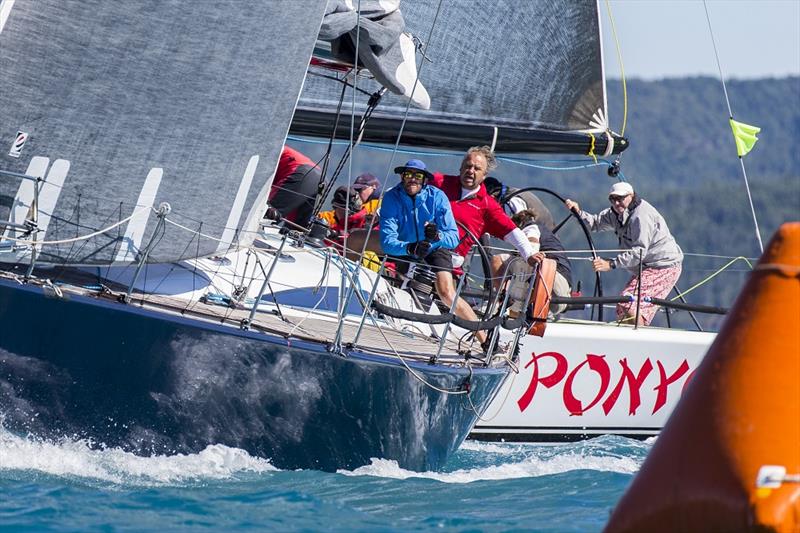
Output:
[[528, 79], [136, 287], [145, 304]]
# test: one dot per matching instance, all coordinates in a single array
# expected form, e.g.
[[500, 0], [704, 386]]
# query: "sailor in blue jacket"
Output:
[[417, 220]]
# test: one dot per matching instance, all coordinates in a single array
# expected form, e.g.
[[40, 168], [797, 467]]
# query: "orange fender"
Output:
[[540, 298], [740, 412]]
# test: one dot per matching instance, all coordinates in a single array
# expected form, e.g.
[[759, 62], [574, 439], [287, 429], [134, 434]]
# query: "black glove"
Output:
[[273, 214], [431, 232], [418, 249]]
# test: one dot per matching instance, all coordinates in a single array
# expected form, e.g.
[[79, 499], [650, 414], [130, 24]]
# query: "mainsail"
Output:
[[120, 106], [528, 75]]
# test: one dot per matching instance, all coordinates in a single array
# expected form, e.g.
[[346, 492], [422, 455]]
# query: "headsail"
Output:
[[147, 102], [532, 69]]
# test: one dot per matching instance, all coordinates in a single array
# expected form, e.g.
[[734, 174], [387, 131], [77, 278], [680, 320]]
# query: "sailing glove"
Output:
[[273, 214], [418, 249], [431, 232]]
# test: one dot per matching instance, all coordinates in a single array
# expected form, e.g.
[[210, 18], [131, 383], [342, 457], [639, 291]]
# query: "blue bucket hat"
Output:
[[414, 164]]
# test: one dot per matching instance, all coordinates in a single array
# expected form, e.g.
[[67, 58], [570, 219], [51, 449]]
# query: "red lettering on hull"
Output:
[[598, 364], [549, 381]]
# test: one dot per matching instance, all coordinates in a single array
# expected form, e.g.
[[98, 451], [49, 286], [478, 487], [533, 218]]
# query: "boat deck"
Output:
[[382, 337]]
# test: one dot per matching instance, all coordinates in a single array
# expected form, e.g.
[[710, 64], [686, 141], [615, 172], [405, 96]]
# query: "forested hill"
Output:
[[679, 130], [682, 159]]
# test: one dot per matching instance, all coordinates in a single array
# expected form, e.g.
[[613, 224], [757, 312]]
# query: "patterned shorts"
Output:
[[656, 283]]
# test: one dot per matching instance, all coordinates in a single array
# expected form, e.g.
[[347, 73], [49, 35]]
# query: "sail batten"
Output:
[[118, 88]]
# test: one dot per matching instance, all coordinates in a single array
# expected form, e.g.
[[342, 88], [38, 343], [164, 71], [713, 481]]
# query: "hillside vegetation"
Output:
[[683, 160]]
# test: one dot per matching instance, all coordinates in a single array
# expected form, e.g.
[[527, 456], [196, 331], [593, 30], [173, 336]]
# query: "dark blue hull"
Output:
[[150, 382]]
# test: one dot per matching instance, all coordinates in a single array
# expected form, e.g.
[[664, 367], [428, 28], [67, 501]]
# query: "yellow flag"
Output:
[[745, 136]]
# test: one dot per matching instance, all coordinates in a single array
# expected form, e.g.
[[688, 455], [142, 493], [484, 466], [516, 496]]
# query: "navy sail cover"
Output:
[[530, 65], [119, 106]]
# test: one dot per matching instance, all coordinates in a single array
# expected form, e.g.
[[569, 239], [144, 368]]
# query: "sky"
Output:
[[670, 38]]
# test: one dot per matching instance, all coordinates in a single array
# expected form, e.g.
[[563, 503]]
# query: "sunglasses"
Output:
[[615, 199], [408, 176]]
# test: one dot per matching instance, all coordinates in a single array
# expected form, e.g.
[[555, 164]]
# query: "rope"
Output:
[[621, 69], [396, 145], [81, 238], [712, 276]]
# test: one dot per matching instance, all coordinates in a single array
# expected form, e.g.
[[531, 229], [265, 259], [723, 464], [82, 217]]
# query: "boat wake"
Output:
[[474, 461], [78, 459], [477, 461]]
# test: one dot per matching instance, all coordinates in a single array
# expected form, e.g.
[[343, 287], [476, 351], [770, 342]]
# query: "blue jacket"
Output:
[[403, 219]]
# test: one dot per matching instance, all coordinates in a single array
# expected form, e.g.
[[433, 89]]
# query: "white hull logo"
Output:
[[19, 142]]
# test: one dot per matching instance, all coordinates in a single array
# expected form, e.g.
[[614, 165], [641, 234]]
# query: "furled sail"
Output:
[[532, 69], [120, 106]]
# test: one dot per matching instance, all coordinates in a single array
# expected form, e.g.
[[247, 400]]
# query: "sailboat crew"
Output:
[[417, 222], [295, 186], [369, 190], [642, 232], [541, 238], [514, 201], [479, 212], [348, 213]]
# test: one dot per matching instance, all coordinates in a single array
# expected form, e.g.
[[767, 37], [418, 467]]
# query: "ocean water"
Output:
[[69, 486]]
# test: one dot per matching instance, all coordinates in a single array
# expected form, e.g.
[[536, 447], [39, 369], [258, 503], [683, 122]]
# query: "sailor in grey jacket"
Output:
[[640, 229]]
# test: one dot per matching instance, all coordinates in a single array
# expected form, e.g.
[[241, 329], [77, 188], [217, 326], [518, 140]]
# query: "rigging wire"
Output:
[[730, 116], [621, 70], [344, 294], [396, 144]]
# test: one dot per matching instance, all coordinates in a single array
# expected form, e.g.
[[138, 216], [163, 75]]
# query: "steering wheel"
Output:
[[488, 290], [598, 284]]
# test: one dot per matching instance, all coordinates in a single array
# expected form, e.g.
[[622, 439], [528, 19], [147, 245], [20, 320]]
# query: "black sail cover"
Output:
[[122, 105], [533, 69]]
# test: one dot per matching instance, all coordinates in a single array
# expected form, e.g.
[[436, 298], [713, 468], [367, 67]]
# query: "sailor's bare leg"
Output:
[[498, 268], [446, 289]]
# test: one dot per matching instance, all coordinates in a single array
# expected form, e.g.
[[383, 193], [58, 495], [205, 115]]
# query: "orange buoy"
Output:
[[540, 299], [728, 458]]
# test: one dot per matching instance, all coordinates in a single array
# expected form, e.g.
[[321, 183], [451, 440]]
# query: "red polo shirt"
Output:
[[479, 212]]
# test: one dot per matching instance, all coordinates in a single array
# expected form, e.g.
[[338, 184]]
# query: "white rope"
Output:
[[82, 237], [190, 230]]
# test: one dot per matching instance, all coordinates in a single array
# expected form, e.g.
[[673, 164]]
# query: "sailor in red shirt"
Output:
[[295, 187], [479, 212], [476, 209]]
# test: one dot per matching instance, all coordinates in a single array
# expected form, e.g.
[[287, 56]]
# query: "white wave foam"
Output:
[[531, 465], [76, 458]]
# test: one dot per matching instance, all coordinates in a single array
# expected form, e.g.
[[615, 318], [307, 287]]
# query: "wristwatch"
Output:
[[612, 263]]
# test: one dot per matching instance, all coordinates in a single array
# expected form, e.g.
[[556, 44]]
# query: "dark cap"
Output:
[[366, 180], [340, 199]]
